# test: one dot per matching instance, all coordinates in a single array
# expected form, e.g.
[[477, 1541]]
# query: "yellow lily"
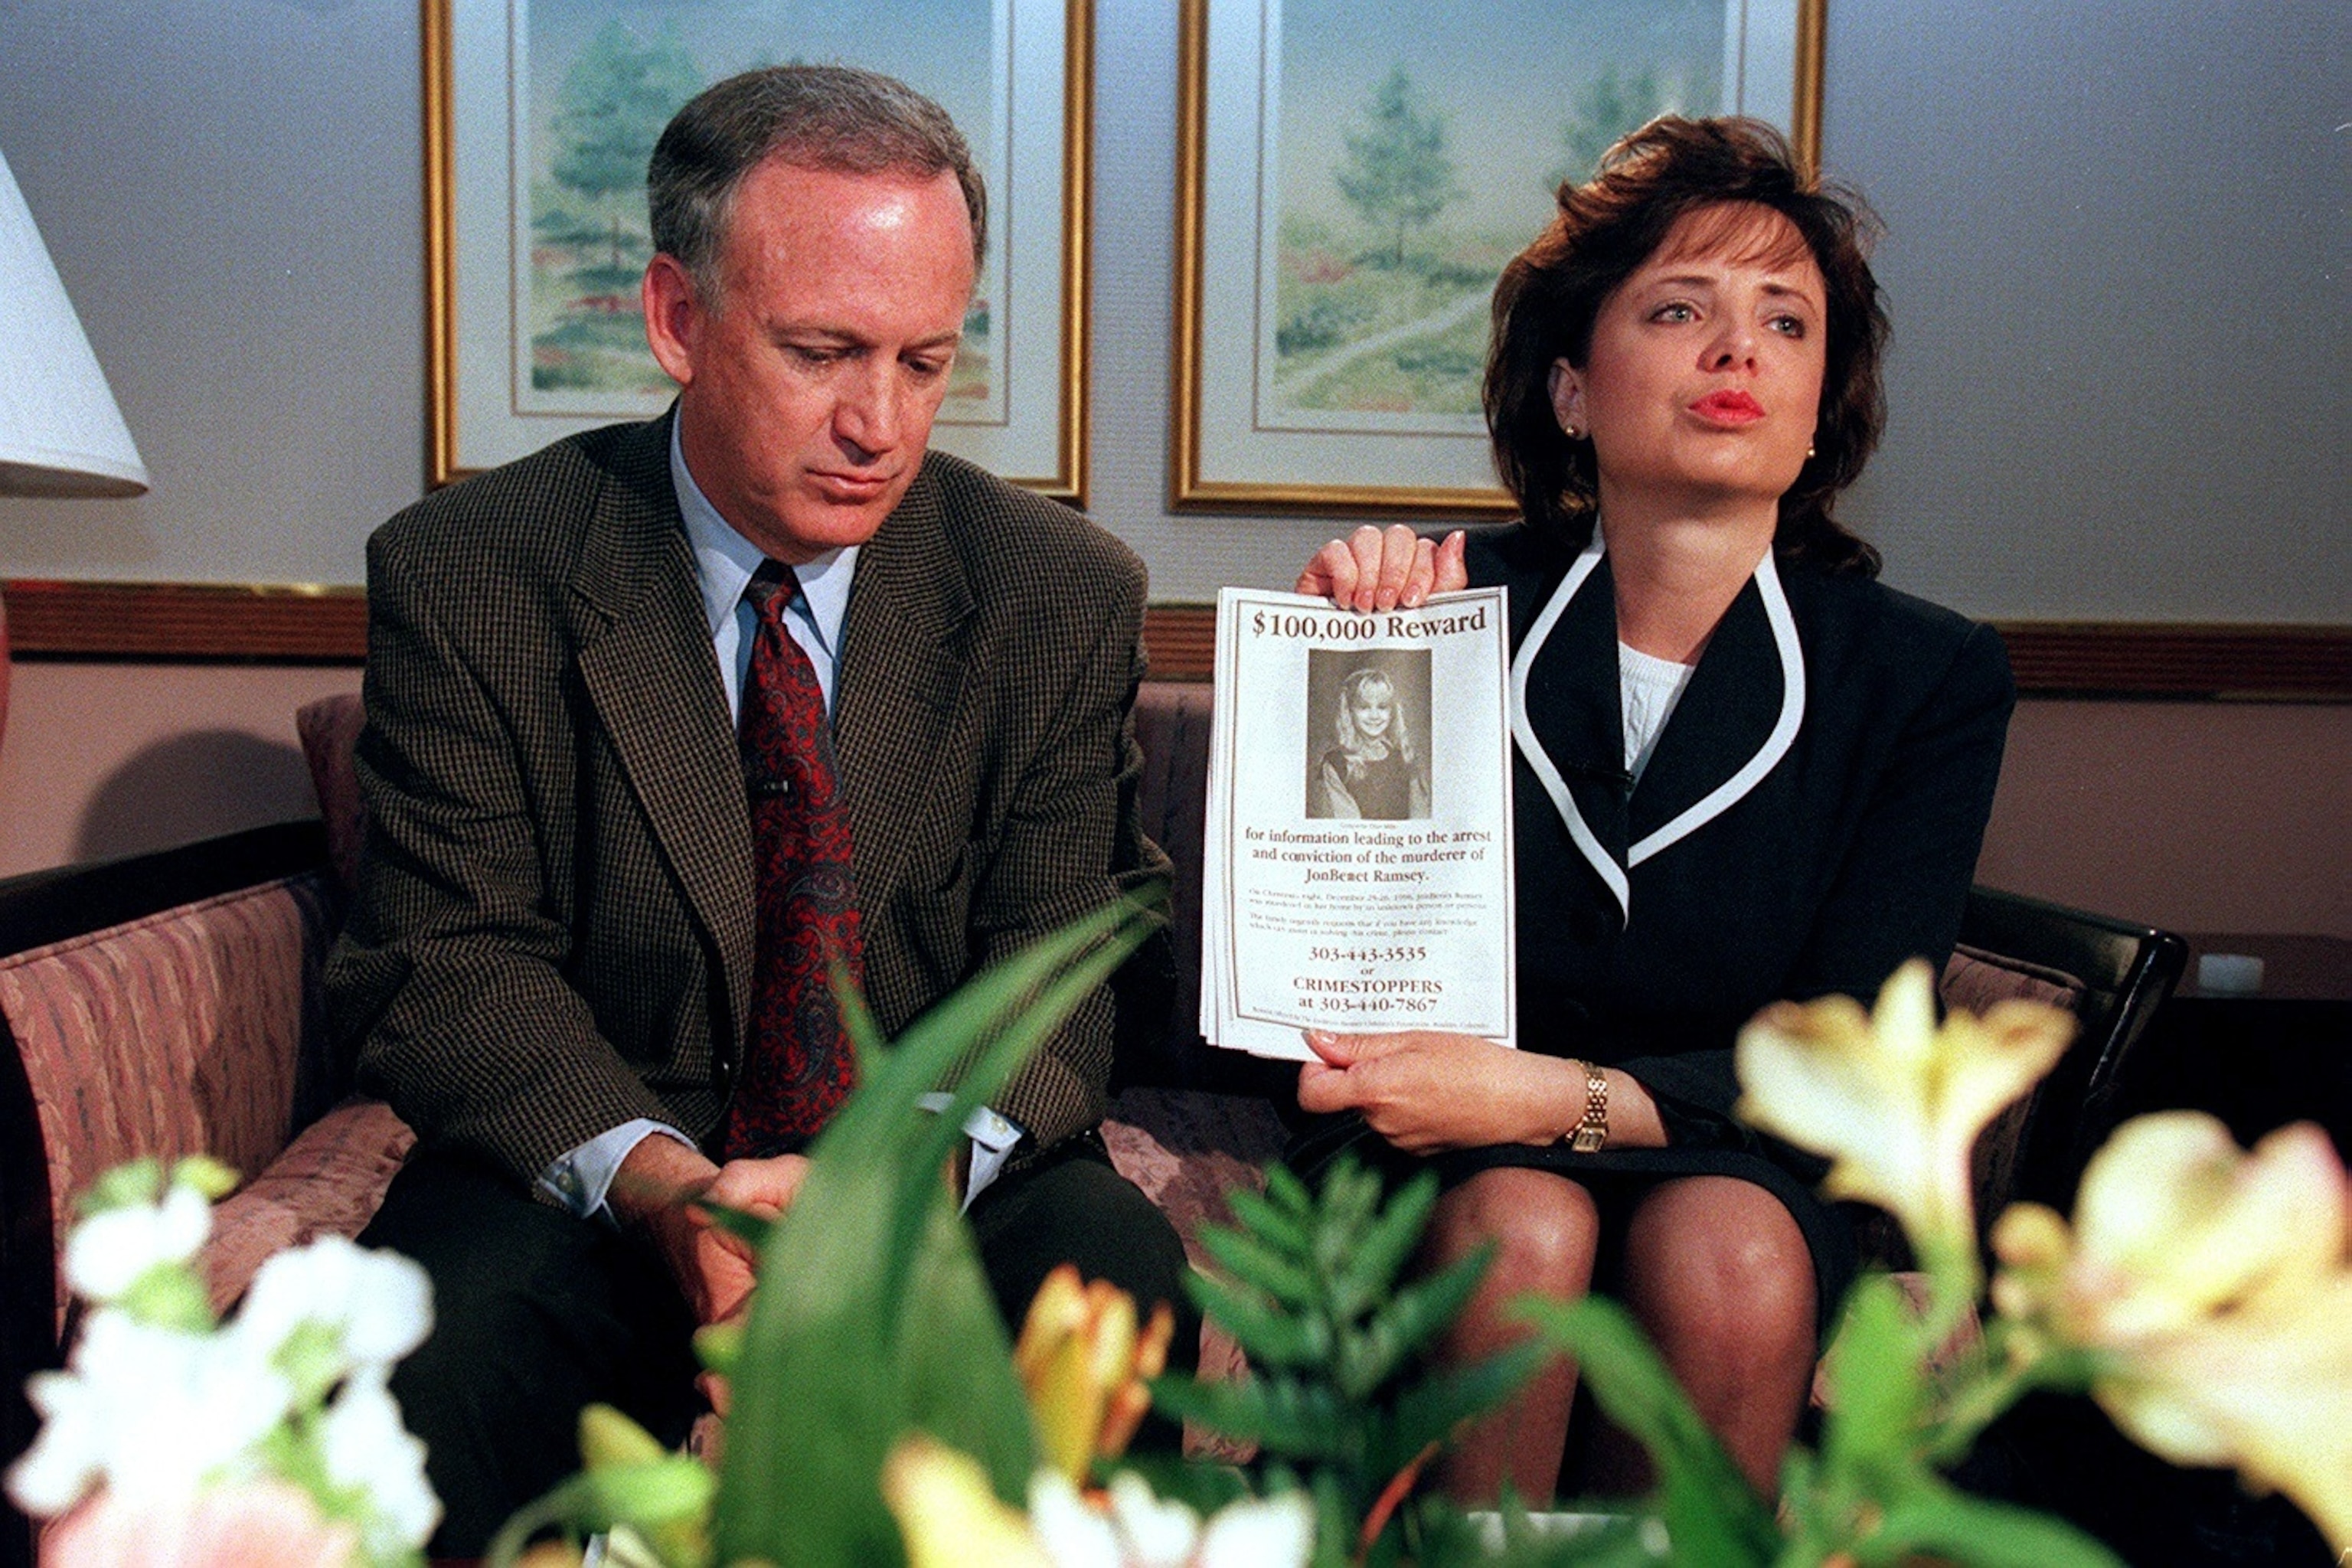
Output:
[[948, 1514], [2216, 1286], [1894, 1100], [1084, 1366]]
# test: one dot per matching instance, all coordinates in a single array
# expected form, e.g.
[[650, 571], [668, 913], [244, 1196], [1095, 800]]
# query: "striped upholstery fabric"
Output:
[[173, 1035], [1973, 982], [330, 729]]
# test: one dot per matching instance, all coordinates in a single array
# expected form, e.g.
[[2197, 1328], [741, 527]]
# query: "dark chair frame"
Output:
[[2126, 971]]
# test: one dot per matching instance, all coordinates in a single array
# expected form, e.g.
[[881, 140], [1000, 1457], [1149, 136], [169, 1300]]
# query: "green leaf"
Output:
[[310, 1358], [1938, 1519], [1878, 1395], [206, 1177], [1289, 1418], [718, 1346], [647, 1495], [991, 1027], [1430, 1411], [1272, 1224], [1411, 1318], [1371, 1265], [135, 1182], [168, 1296], [1335, 1521], [1270, 1337], [834, 1368], [1258, 1265], [1286, 1191], [1710, 1511]]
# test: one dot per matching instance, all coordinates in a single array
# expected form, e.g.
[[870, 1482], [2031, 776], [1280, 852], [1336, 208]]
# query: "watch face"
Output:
[[1588, 1139]]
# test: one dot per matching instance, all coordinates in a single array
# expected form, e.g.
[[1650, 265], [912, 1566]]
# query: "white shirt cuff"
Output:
[[580, 1178], [992, 1138]]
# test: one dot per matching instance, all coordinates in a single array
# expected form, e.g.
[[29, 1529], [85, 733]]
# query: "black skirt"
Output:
[[1618, 1179]]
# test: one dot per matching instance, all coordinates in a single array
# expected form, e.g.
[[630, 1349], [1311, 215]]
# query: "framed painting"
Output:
[[1351, 180], [541, 114]]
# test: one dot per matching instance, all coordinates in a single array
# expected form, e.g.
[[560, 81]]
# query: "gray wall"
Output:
[[2117, 264]]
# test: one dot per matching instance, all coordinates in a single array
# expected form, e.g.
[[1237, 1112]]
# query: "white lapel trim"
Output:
[[1721, 798], [1538, 759], [1715, 802]]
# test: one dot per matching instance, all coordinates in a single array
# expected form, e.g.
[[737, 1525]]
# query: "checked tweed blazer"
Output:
[[554, 931]]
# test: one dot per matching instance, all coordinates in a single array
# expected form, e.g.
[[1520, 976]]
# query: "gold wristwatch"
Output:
[[1589, 1135]]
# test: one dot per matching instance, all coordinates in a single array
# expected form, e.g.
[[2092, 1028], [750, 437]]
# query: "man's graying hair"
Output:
[[835, 118]]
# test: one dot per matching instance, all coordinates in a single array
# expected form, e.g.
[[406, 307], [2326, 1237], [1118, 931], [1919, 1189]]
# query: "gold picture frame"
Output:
[[511, 367], [1278, 408]]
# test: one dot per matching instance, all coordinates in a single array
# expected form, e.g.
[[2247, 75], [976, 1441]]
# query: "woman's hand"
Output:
[[1380, 568], [1427, 1092]]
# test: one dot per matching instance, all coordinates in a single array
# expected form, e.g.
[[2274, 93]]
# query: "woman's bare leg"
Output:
[[1718, 1273], [1546, 1230]]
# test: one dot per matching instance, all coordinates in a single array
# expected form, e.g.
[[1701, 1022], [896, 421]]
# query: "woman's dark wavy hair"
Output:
[[1550, 293]]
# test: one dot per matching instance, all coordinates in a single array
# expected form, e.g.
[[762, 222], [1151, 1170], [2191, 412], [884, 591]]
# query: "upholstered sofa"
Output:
[[171, 1003]]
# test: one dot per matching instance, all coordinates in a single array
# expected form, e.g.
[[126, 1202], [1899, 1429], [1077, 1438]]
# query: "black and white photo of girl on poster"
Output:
[[1371, 761]]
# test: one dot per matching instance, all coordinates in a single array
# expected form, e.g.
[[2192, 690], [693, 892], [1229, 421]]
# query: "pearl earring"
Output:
[[1809, 449]]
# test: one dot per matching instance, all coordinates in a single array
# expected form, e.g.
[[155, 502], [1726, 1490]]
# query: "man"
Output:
[[571, 963]]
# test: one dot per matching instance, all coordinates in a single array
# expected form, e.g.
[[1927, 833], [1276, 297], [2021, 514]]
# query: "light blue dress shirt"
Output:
[[724, 561]]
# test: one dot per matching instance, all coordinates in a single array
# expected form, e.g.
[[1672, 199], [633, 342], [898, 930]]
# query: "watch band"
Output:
[[1591, 1134]]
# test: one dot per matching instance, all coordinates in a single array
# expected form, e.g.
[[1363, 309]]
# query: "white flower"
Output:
[[107, 1252], [1255, 1531], [364, 1445], [378, 1304], [2217, 1286], [1074, 1535], [149, 1412], [1892, 1100], [1154, 1534], [1141, 1530]]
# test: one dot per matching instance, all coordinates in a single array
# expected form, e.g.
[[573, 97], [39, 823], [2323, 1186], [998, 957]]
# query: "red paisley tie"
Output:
[[797, 1063]]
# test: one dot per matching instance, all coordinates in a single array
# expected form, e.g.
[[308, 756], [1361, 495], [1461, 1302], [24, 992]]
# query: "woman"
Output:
[[1745, 771], [1372, 774]]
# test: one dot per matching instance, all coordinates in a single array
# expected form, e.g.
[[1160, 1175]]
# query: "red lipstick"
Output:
[[1728, 407]]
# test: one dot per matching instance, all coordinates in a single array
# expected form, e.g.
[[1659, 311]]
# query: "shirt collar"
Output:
[[724, 560]]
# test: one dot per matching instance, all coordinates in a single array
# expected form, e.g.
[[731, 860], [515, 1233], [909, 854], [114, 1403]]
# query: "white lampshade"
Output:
[[60, 432]]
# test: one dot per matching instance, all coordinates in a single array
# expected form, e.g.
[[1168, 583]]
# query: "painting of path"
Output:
[[602, 78], [1413, 149]]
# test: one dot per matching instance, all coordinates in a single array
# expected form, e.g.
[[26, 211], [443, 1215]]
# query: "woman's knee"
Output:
[[1714, 1261], [1544, 1228]]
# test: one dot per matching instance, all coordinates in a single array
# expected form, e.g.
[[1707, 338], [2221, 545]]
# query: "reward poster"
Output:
[[1358, 850]]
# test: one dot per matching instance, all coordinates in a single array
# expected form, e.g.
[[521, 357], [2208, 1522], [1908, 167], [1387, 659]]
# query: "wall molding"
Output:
[[177, 623], [181, 622]]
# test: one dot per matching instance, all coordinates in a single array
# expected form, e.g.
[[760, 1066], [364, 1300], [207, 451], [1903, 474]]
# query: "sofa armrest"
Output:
[[166, 1005], [328, 1181]]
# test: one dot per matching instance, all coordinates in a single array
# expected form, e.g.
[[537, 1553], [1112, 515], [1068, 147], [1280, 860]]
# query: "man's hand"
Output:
[[1381, 569], [1427, 1092], [655, 1194]]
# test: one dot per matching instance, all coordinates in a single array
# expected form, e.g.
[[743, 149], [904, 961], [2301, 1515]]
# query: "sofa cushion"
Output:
[[330, 729], [328, 1181]]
